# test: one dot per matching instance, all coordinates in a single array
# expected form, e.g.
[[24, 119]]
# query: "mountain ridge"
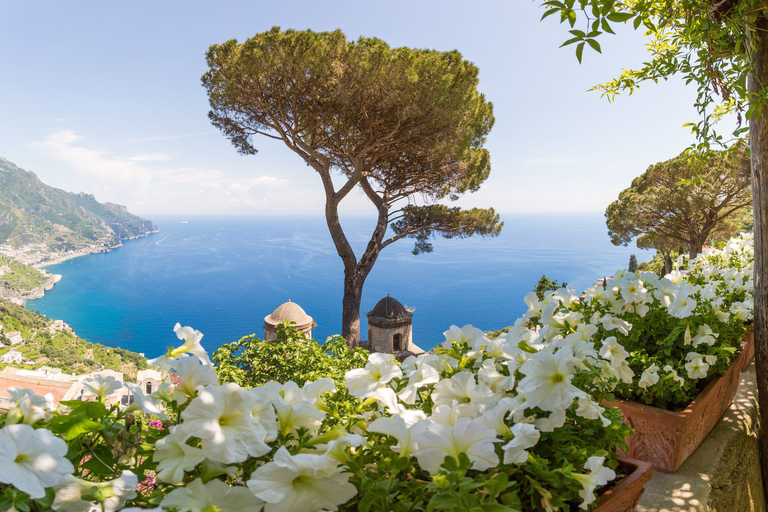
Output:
[[51, 222]]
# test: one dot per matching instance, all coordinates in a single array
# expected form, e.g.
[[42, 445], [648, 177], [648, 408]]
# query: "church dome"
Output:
[[288, 312], [390, 309]]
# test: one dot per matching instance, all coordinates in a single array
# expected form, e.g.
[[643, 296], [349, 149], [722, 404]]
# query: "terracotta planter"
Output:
[[665, 438], [624, 496], [748, 347]]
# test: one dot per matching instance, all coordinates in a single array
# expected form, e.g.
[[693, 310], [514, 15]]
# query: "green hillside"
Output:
[[32, 212], [45, 344], [17, 277]]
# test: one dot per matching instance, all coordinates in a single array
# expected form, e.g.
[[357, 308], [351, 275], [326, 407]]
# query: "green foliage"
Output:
[[422, 222], [18, 277], [251, 361], [677, 203], [390, 483], [632, 267], [33, 212], [710, 45], [546, 285]]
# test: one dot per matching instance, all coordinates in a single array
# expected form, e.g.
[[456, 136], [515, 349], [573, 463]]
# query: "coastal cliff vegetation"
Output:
[[54, 343], [37, 219]]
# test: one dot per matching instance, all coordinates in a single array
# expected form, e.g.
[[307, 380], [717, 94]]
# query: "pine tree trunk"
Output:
[[758, 134], [350, 316], [694, 249]]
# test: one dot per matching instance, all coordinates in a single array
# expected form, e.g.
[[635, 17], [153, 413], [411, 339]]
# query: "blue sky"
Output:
[[105, 97]]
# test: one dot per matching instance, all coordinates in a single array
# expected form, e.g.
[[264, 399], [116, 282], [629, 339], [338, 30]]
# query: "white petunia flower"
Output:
[[174, 456], [610, 322], [466, 436], [28, 407], [555, 420], [387, 398], [625, 372], [649, 377], [420, 374], [673, 375], [32, 460], [547, 381], [221, 417], [381, 368], [70, 492], [142, 402], [597, 476], [466, 334], [705, 335], [665, 292], [696, 368], [191, 345], [496, 418], [488, 375], [396, 427], [448, 415], [101, 385], [191, 375], [214, 495], [301, 415], [590, 410], [314, 391], [613, 351], [526, 436], [300, 483], [682, 306], [634, 291], [463, 388]]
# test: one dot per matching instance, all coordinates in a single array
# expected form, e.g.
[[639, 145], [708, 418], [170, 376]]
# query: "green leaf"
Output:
[[606, 26], [549, 13], [70, 427], [579, 51], [570, 41], [594, 44], [620, 17], [637, 22], [572, 18]]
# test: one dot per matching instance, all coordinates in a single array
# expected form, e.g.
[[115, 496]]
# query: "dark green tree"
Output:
[[405, 126], [632, 267], [664, 248], [546, 285], [681, 203]]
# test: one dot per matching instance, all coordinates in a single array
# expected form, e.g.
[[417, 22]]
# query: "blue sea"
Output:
[[223, 275]]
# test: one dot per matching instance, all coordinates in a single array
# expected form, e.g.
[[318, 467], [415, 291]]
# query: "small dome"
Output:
[[391, 309], [289, 312]]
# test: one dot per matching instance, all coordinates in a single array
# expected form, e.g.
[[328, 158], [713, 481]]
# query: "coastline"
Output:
[[20, 298], [70, 256]]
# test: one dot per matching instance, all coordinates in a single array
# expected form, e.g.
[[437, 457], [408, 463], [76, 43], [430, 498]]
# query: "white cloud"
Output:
[[144, 180], [150, 157], [63, 146], [268, 181]]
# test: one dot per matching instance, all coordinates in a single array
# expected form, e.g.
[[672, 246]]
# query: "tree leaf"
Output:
[[620, 17], [594, 44], [579, 51], [549, 13]]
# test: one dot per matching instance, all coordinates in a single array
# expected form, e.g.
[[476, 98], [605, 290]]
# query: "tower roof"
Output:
[[288, 312], [390, 309]]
